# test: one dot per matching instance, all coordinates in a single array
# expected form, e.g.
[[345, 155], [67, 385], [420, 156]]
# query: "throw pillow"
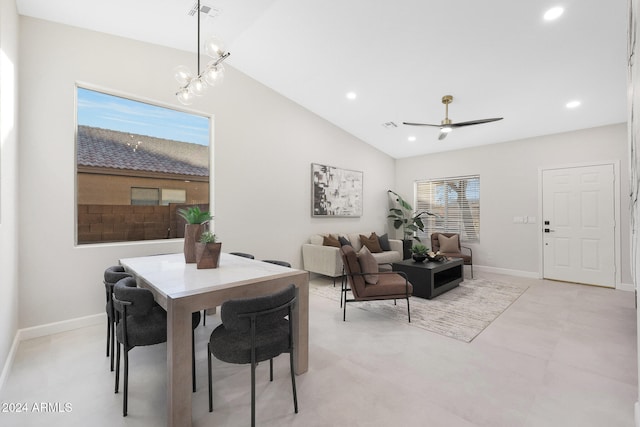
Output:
[[384, 242], [330, 241], [372, 243], [368, 266], [448, 244], [344, 241]]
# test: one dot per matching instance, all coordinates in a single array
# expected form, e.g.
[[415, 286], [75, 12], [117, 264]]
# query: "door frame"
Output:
[[616, 212]]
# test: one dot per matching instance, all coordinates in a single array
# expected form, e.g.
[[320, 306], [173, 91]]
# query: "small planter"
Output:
[[192, 234], [419, 257], [208, 254]]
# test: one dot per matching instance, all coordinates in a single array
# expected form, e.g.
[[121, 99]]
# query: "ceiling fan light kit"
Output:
[[446, 125]]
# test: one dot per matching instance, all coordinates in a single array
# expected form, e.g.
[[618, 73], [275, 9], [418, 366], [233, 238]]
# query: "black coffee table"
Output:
[[430, 279]]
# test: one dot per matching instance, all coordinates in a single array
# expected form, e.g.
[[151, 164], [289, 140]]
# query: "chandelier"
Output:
[[192, 86]]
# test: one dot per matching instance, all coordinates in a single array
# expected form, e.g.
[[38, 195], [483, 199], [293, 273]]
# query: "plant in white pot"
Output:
[[208, 251], [195, 226]]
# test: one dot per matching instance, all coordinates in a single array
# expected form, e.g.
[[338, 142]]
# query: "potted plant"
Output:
[[403, 217], [208, 250], [419, 252], [196, 219]]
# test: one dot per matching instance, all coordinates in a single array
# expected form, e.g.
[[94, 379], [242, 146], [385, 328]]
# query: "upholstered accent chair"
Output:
[[449, 245], [254, 330], [111, 276], [366, 283], [242, 254]]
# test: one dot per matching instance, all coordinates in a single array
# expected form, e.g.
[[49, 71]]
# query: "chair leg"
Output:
[[209, 372], [293, 382], [204, 317], [472, 271], [408, 311], [126, 383], [117, 369], [193, 359], [108, 336], [113, 341], [271, 369], [253, 392]]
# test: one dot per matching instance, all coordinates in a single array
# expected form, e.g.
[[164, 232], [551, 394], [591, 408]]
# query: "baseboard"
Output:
[[506, 271], [45, 330], [636, 411], [63, 326], [9, 362], [626, 287]]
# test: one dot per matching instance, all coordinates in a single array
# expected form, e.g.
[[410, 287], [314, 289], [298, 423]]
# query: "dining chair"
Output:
[[254, 330], [276, 262], [141, 322], [111, 276], [242, 254]]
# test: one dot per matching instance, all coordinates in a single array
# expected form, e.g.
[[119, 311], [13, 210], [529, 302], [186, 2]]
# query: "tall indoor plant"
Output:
[[193, 229], [404, 217]]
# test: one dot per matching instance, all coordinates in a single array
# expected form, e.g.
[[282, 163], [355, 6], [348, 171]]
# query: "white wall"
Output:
[[8, 178], [509, 187], [264, 147]]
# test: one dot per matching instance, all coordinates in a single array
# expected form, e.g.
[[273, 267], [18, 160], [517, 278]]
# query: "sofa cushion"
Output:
[[330, 240], [368, 265], [387, 257], [448, 244], [384, 242], [371, 243], [344, 241]]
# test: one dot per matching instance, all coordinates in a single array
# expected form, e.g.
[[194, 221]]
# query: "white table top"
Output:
[[171, 276]]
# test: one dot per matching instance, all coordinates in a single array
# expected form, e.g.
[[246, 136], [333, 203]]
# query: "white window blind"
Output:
[[455, 203]]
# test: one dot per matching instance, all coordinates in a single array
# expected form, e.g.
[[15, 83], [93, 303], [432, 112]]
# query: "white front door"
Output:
[[579, 225]]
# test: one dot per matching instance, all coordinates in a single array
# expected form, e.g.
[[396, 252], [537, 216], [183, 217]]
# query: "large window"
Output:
[[454, 203], [136, 163]]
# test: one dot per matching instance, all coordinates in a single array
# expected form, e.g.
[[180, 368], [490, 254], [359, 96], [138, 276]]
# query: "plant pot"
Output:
[[192, 234], [208, 254], [419, 257], [406, 248]]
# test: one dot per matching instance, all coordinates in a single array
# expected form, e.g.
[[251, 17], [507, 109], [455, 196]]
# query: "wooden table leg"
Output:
[[179, 385]]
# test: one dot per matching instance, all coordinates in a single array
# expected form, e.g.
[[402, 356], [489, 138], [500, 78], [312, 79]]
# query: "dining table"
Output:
[[182, 289]]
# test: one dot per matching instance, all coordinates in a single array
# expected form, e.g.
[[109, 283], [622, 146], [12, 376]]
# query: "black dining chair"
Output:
[[111, 276], [242, 254], [140, 322], [275, 261], [254, 330]]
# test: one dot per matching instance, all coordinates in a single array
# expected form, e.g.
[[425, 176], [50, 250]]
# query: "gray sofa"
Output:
[[326, 260]]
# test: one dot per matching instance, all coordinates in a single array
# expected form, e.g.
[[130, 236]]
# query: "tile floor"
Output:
[[561, 355]]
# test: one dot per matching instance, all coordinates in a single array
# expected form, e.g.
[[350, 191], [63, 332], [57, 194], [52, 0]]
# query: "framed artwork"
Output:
[[335, 192]]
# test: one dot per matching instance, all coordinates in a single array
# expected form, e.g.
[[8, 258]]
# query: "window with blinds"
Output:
[[455, 205]]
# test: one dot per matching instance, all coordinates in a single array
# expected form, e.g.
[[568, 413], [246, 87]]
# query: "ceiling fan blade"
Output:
[[443, 135], [420, 124], [474, 122]]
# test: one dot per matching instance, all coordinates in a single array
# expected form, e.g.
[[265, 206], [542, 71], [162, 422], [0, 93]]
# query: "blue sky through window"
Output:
[[97, 109]]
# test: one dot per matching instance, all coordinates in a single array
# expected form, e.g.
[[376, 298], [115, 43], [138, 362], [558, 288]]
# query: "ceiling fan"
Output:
[[447, 125]]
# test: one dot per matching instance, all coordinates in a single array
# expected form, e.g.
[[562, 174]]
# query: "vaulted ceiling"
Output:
[[498, 58]]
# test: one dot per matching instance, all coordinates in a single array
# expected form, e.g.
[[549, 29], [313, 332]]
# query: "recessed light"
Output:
[[573, 104], [351, 95], [553, 13], [412, 138]]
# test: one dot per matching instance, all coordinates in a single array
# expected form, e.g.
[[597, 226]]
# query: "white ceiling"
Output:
[[498, 58]]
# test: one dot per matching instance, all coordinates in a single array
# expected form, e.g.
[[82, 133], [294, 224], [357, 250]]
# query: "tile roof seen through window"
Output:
[[106, 148]]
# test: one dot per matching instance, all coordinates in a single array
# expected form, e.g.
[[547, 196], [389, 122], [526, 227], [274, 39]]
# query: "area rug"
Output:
[[461, 313]]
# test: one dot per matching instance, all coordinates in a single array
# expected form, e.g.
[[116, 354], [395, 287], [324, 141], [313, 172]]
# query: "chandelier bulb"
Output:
[[182, 74], [185, 96], [214, 73], [214, 47]]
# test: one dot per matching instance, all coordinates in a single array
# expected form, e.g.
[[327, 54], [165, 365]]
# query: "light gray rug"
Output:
[[461, 313]]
